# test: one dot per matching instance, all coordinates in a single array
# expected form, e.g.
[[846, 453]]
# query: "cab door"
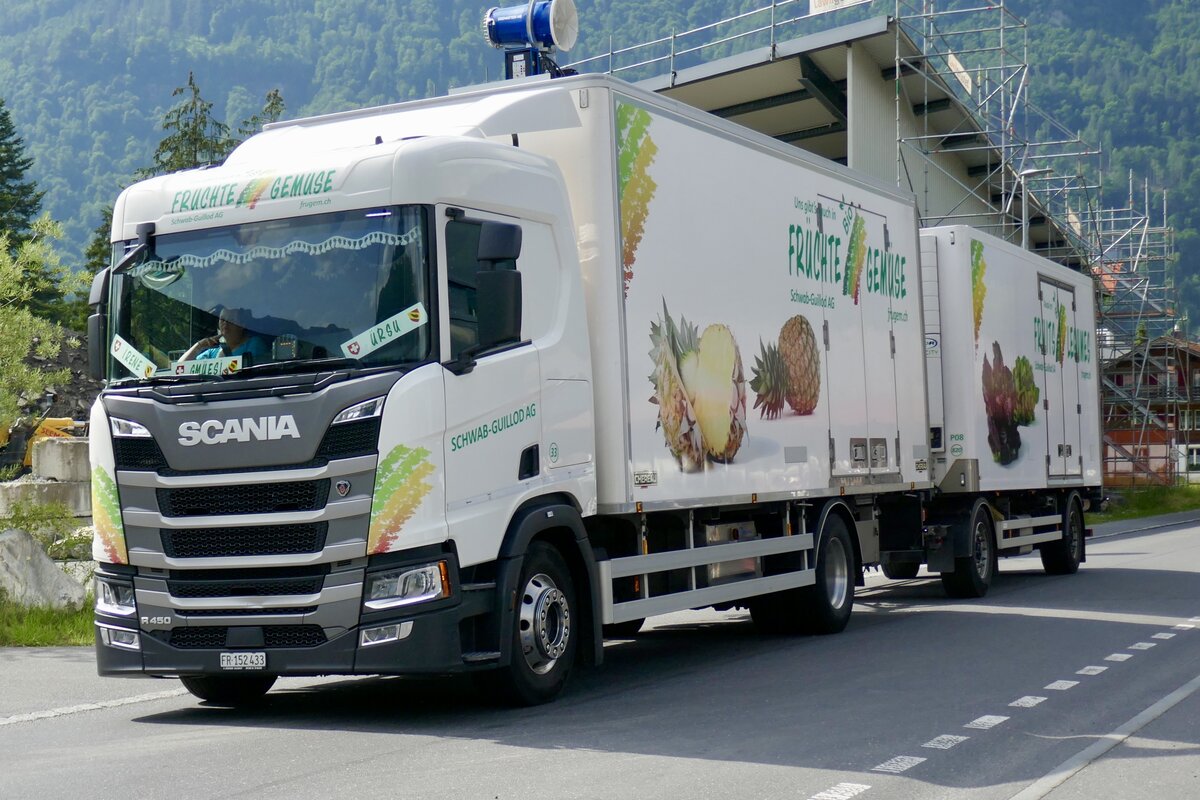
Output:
[[492, 421]]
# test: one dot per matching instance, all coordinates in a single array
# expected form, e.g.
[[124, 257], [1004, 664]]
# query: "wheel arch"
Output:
[[556, 520], [839, 507]]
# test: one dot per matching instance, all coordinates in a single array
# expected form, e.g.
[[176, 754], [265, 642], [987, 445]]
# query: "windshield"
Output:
[[218, 301]]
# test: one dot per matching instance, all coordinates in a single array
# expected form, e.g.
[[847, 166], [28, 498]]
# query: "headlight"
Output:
[[364, 410], [405, 587], [115, 599], [128, 428]]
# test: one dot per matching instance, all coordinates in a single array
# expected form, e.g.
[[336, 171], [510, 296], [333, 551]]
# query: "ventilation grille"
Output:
[[244, 588], [204, 501], [255, 540], [137, 454], [274, 636]]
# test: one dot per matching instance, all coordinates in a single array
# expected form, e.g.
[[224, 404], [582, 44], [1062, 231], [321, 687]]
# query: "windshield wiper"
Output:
[[306, 365], [159, 380]]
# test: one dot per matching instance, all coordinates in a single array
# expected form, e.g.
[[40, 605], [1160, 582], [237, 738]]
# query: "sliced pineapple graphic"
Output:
[[789, 371], [700, 391]]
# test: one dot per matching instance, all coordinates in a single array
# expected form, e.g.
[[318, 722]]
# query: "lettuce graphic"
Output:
[[635, 187], [1027, 391], [399, 489]]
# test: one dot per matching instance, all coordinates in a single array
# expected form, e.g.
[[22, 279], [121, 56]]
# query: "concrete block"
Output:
[[76, 496], [63, 459]]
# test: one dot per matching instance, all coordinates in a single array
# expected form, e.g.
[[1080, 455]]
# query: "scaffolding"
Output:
[[1027, 179]]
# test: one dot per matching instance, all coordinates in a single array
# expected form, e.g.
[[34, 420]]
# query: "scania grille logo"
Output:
[[343, 488], [216, 431]]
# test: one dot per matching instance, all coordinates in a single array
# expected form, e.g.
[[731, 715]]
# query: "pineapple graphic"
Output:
[[788, 372], [635, 188], [700, 391], [106, 516], [399, 489], [978, 288]]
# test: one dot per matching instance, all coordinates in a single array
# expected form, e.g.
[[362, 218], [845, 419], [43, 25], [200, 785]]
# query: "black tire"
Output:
[[828, 603], [973, 574], [623, 630], [544, 634], [229, 690], [1063, 557], [902, 570]]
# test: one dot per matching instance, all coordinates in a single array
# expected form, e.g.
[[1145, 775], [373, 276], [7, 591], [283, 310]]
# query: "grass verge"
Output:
[[44, 627], [1147, 502]]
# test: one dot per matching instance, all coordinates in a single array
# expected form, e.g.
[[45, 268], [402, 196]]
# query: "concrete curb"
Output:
[[1127, 526]]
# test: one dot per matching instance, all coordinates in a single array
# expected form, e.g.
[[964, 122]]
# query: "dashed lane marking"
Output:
[[1142, 646], [1060, 774], [1028, 701], [1183, 626], [1062, 686], [898, 764], [945, 742], [1119, 657], [985, 723], [1091, 670], [1163, 636], [69, 710], [843, 791]]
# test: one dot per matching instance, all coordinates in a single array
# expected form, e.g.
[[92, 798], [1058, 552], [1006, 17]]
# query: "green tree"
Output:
[[20, 200], [272, 110], [26, 269], [194, 137]]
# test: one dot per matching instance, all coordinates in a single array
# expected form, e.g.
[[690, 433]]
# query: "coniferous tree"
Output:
[[194, 137], [20, 200]]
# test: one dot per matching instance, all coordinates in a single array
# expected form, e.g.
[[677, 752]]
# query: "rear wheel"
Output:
[[544, 631], [828, 602], [973, 573], [1063, 557], [229, 690]]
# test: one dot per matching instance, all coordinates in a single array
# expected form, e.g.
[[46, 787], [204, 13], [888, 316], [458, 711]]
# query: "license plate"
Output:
[[243, 660]]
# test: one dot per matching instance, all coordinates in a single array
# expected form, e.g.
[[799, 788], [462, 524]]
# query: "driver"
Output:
[[232, 339]]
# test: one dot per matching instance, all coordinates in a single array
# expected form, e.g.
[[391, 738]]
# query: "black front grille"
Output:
[[349, 439], [137, 454], [243, 612], [293, 635], [247, 588], [276, 636], [198, 638], [268, 498], [253, 540]]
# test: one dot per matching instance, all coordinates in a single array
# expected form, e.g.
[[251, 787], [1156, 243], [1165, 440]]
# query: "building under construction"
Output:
[[937, 100]]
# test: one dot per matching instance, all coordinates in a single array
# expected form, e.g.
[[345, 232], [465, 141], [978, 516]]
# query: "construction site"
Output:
[[938, 99]]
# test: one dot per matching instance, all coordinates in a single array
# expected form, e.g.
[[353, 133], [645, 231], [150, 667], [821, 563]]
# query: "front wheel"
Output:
[[229, 690], [830, 600], [973, 573], [1063, 557], [544, 631]]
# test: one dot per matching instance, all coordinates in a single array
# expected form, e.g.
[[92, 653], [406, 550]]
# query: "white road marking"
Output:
[[1141, 646], [945, 742], [1183, 627], [843, 791], [68, 710], [1062, 686], [1060, 774], [1091, 670], [985, 722], [1119, 657], [1028, 701], [1163, 636], [898, 764]]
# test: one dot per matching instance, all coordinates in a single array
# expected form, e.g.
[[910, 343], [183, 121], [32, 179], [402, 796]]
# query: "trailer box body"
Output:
[[689, 225], [1013, 377]]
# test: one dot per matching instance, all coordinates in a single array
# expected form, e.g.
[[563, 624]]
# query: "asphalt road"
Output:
[[1067, 688]]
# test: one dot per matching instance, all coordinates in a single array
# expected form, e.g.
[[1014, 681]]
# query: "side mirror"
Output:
[[99, 294], [499, 241], [499, 305], [97, 338]]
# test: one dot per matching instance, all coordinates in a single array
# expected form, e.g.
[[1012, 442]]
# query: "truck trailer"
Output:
[[465, 384]]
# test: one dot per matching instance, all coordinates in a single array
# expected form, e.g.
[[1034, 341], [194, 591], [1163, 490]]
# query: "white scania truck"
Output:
[[504, 371]]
